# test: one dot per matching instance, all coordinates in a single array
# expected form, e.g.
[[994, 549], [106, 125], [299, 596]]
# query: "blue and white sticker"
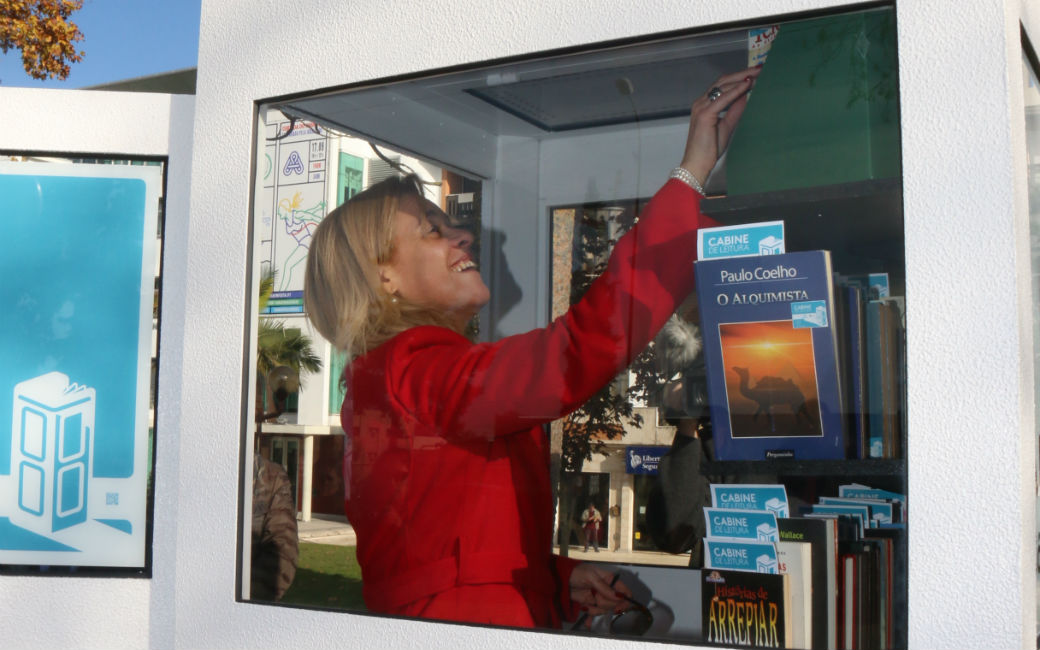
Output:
[[740, 555], [744, 240], [811, 313], [758, 525]]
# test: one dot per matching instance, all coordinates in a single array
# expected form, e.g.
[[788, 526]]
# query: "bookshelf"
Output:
[[861, 223], [852, 469]]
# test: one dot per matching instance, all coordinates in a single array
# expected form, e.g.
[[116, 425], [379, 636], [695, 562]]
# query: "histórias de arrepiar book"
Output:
[[771, 356]]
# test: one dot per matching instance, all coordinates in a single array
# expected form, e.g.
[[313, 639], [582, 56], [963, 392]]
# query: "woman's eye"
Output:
[[434, 231]]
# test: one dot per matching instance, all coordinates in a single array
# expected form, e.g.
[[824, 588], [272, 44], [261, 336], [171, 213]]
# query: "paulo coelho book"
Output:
[[771, 355]]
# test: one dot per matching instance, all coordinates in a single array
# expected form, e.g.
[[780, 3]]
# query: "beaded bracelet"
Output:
[[687, 177]]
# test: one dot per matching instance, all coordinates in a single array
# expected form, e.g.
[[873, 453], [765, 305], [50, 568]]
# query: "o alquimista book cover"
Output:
[[771, 356]]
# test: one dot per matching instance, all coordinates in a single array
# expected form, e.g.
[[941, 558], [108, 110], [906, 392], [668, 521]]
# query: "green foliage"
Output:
[[278, 345], [41, 30]]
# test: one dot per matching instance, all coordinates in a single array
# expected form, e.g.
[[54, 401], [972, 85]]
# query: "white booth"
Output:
[[551, 106]]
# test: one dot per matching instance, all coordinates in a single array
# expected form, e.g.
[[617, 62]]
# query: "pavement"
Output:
[[335, 530], [327, 529]]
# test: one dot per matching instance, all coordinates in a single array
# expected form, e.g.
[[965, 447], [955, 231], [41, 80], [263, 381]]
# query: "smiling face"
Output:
[[431, 264]]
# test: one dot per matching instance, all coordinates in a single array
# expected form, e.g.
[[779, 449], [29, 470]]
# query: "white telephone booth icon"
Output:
[[53, 435]]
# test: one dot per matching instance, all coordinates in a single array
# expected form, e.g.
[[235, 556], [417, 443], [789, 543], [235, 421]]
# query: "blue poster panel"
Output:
[[78, 255]]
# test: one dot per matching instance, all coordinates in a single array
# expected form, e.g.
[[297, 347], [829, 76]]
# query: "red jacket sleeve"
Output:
[[494, 389], [563, 567]]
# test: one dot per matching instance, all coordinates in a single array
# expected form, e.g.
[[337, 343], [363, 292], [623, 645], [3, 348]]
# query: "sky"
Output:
[[122, 39]]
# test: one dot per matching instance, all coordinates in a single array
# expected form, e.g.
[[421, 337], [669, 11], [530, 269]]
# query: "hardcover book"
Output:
[[854, 368], [822, 536], [885, 385], [794, 559], [771, 356], [894, 567], [746, 609]]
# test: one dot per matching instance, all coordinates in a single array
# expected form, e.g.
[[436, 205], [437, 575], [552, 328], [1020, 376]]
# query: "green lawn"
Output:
[[326, 576]]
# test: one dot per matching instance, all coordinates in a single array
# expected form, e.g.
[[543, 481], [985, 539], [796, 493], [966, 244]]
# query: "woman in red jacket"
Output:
[[447, 462]]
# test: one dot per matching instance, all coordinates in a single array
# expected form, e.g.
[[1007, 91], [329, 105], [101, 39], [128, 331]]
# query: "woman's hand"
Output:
[[709, 133], [598, 591]]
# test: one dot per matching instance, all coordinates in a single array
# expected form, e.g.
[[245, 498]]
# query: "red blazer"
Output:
[[447, 463]]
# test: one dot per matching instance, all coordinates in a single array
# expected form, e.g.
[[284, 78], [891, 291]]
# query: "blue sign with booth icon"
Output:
[[79, 251]]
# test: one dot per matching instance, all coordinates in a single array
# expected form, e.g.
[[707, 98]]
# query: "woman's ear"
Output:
[[387, 279]]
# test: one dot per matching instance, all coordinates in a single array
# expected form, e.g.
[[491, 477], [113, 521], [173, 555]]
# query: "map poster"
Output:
[[79, 258], [291, 204]]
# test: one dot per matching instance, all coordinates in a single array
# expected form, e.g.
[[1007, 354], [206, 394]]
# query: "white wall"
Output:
[[50, 612], [969, 365], [971, 389], [970, 410]]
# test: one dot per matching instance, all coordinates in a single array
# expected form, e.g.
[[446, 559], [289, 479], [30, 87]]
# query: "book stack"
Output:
[[872, 361], [744, 554], [870, 593]]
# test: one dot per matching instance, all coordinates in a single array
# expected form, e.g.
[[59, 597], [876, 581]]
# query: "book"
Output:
[[795, 560], [896, 629], [854, 370], [746, 608], [880, 510], [860, 513], [822, 537], [884, 377], [848, 526], [771, 356], [848, 603], [863, 594], [882, 580], [858, 491]]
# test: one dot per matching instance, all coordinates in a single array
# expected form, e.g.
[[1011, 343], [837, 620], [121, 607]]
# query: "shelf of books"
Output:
[[802, 319], [831, 574]]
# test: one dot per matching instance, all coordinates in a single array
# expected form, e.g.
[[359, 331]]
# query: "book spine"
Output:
[[875, 380]]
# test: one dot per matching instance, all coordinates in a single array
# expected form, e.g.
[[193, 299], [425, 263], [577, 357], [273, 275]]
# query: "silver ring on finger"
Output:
[[714, 94]]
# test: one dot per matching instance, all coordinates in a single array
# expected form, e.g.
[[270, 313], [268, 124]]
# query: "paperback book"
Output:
[[794, 559], [746, 608], [771, 355]]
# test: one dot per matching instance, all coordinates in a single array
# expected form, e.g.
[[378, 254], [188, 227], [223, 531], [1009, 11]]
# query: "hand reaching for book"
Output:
[[713, 118]]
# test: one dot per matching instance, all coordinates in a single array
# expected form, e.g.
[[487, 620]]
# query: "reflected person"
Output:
[[447, 459]]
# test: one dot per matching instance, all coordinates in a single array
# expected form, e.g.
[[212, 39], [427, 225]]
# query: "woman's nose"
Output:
[[461, 237]]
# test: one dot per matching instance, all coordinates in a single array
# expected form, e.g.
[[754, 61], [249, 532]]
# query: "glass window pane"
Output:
[[472, 313]]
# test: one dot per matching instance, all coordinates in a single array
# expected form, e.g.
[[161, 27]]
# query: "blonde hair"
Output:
[[342, 291]]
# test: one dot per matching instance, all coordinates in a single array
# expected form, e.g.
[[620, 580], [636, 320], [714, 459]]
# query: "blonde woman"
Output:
[[447, 462]]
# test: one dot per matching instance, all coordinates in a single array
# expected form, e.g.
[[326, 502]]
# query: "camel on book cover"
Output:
[[770, 392]]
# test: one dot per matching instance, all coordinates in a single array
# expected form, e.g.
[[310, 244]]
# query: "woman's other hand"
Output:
[[709, 132], [598, 591]]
